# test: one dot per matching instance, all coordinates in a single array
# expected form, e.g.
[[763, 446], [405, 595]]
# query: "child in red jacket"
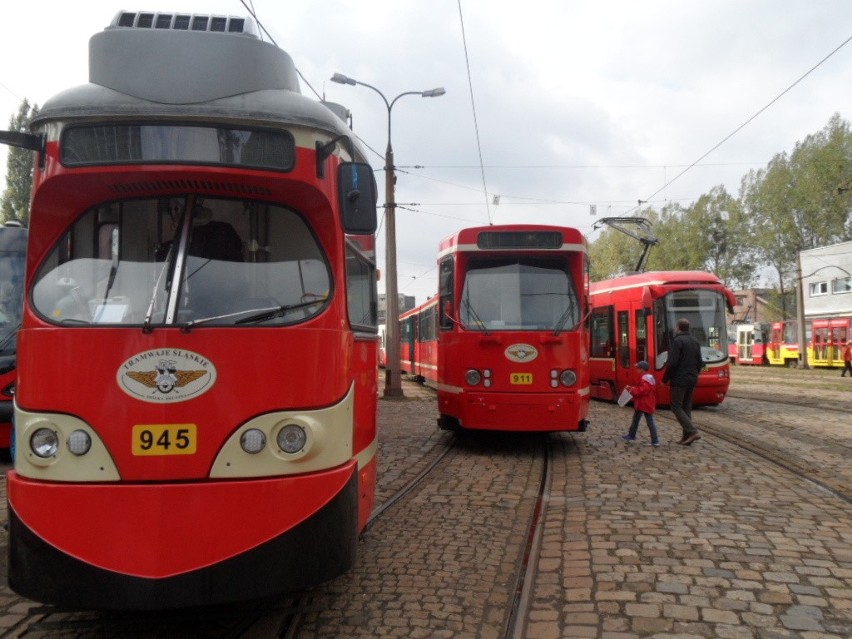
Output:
[[644, 403]]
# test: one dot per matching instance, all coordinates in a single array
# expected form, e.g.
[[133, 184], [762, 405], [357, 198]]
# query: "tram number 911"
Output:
[[164, 439], [521, 378]]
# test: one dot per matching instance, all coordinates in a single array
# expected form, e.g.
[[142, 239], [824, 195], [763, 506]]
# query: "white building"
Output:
[[827, 281]]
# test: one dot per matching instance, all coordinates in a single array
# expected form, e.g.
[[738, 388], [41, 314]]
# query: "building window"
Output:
[[819, 288], [842, 285]]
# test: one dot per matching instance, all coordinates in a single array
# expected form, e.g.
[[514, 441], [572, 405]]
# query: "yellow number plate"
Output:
[[164, 439], [520, 378]]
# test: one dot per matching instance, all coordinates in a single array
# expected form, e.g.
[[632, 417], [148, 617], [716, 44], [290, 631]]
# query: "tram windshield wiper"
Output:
[[280, 311], [475, 316], [257, 316], [146, 325], [564, 318]]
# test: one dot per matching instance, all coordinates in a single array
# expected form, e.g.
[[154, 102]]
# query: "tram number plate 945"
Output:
[[164, 439], [521, 378]]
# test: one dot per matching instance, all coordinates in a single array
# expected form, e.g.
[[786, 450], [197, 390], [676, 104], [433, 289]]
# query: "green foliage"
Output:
[[15, 203], [798, 201]]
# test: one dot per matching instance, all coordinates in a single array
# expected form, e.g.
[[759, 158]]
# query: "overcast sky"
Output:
[[601, 102]]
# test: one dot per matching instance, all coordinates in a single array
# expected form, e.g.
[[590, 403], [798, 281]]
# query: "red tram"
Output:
[[749, 343], [13, 254], [633, 319], [196, 406], [504, 342]]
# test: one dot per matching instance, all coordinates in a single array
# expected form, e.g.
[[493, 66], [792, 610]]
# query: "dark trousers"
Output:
[[681, 405], [847, 366], [649, 418]]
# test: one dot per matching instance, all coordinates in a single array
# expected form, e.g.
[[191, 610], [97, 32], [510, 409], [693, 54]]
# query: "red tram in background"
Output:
[[749, 344], [504, 341], [633, 319], [13, 255], [783, 346], [195, 418]]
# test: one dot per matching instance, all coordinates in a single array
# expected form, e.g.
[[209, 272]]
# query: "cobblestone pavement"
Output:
[[677, 542]]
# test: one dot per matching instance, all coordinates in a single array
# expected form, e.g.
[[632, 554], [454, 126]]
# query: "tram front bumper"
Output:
[[149, 546], [523, 411]]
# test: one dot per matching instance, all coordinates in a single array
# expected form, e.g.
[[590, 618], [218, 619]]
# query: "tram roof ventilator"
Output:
[[184, 22]]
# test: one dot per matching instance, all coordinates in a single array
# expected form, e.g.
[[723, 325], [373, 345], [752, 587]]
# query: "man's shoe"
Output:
[[628, 438], [691, 439], [683, 439]]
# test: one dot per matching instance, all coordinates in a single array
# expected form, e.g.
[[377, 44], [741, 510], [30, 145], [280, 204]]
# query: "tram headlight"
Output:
[[568, 378], [44, 442], [292, 438], [253, 441], [472, 377], [79, 442]]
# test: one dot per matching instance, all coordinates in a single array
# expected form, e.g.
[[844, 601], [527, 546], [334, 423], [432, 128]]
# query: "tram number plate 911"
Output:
[[521, 378], [164, 439]]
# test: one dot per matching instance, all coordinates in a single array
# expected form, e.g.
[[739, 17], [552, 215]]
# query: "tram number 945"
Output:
[[164, 439], [521, 378]]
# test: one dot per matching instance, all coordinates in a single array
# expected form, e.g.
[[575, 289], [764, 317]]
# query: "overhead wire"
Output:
[[272, 40], [473, 108], [746, 123]]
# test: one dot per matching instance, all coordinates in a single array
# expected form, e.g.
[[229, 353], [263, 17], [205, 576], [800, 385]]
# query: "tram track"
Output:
[[290, 623], [839, 406], [777, 449], [526, 575]]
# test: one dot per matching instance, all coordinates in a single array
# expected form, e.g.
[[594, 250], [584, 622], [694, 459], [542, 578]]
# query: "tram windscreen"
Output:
[[182, 261], [518, 294], [705, 310]]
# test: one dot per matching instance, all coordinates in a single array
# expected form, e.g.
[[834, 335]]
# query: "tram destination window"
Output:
[[177, 144], [519, 239]]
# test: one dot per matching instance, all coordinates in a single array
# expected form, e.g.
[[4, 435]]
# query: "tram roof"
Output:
[[150, 73], [681, 279]]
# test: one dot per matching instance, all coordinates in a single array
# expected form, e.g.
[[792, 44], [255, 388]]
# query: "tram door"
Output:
[[838, 338], [745, 343]]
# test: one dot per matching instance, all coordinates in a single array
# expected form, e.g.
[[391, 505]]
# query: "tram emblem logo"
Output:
[[521, 353], [166, 375]]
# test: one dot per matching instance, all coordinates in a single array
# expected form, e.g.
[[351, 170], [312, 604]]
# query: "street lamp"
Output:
[[393, 381]]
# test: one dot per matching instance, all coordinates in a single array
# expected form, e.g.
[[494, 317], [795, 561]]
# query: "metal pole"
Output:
[[800, 313], [393, 378]]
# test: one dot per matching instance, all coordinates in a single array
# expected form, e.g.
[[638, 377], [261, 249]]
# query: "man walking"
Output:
[[684, 364]]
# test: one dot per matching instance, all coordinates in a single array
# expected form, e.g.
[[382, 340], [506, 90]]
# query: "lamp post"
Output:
[[393, 381]]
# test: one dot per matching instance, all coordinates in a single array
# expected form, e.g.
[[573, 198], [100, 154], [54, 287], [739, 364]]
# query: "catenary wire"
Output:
[[473, 108], [747, 122]]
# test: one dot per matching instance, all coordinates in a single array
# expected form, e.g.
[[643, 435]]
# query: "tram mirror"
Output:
[[358, 195]]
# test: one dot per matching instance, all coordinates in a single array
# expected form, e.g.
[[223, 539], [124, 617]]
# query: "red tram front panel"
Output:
[[196, 408]]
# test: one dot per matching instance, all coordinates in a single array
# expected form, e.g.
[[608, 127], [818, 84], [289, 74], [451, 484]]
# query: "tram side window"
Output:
[[427, 325], [361, 297], [661, 334], [445, 278], [641, 321], [602, 332], [623, 339]]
